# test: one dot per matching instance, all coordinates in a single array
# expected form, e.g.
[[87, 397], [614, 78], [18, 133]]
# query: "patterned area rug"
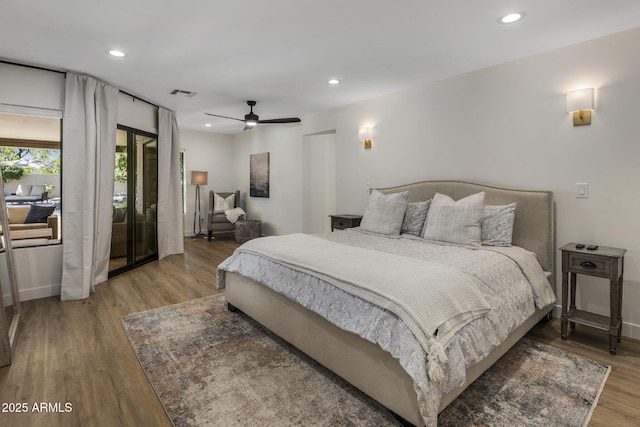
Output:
[[211, 367]]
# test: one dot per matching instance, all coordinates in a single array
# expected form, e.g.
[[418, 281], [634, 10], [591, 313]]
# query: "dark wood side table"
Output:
[[342, 221], [603, 262]]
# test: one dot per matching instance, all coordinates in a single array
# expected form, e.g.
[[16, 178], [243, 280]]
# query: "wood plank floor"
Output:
[[77, 353]]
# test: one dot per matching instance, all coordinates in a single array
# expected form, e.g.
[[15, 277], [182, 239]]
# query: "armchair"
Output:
[[217, 223]]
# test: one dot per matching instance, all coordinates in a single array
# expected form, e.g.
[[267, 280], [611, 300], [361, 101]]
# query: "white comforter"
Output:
[[499, 278]]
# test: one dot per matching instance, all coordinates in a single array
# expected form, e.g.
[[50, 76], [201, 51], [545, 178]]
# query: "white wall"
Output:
[[213, 153], [38, 269], [281, 213], [31, 87], [503, 125]]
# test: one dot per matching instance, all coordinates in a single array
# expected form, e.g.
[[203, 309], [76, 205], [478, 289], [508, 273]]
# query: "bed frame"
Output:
[[366, 365]]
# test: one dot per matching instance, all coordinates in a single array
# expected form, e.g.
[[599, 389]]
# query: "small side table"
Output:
[[603, 262], [342, 221], [247, 229]]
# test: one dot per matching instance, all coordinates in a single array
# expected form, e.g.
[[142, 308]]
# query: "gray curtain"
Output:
[[89, 131], [170, 217]]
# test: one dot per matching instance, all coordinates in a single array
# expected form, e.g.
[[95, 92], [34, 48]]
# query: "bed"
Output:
[[377, 365]]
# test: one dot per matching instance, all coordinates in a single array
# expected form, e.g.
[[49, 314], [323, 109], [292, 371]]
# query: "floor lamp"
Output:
[[198, 178]]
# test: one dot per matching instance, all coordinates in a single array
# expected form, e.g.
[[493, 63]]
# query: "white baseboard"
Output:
[[41, 292], [33, 293]]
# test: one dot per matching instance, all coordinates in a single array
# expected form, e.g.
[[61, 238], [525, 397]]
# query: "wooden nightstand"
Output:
[[343, 221], [603, 262]]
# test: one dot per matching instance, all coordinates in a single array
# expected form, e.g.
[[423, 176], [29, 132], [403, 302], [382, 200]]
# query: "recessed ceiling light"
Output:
[[511, 18], [207, 125], [116, 53], [333, 82]]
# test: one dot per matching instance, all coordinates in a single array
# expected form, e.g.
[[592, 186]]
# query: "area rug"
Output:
[[210, 367]]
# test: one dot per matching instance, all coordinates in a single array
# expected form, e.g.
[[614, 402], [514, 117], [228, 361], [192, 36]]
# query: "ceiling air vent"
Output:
[[181, 92]]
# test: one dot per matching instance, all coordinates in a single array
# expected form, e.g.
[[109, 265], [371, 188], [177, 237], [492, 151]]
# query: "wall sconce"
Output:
[[580, 103], [364, 135]]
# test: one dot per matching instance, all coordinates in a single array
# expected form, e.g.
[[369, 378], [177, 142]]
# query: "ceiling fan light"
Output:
[[251, 123], [116, 53], [511, 18]]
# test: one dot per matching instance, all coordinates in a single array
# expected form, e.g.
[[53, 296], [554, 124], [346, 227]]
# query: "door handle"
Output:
[[588, 264]]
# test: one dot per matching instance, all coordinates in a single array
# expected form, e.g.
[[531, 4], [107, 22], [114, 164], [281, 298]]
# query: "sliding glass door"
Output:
[[133, 237]]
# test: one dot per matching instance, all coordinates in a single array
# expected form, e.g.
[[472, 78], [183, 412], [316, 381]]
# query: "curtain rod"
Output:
[[4, 61], [140, 99]]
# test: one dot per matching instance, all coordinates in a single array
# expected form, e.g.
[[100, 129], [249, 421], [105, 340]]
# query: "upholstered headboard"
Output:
[[533, 224]]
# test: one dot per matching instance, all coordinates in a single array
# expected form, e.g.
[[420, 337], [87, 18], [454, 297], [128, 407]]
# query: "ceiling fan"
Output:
[[252, 119]]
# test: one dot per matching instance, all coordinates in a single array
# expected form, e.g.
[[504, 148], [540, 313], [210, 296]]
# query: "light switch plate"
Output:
[[582, 190]]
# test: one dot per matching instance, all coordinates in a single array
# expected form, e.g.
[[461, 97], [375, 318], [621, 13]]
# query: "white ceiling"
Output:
[[281, 52]]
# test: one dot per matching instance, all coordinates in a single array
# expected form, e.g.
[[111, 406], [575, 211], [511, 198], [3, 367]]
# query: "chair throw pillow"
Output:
[[384, 213], [455, 221], [39, 214], [220, 204], [23, 190], [415, 217], [497, 225]]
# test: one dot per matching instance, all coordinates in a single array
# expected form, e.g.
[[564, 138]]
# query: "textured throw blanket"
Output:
[[234, 214], [433, 300]]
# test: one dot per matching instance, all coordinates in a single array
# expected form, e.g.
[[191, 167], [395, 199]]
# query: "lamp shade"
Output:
[[199, 177], [580, 100]]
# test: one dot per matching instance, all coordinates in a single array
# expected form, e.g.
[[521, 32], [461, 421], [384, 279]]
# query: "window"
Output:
[[30, 161]]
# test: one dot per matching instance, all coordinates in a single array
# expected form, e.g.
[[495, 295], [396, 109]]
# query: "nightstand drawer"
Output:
[[340, 222], [590, 264]]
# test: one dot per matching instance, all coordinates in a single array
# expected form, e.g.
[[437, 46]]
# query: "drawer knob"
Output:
[[588, 264]]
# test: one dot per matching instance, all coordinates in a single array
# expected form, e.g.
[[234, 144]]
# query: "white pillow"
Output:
[[455, 222], [384, 213], [220, 204], [23, 190]]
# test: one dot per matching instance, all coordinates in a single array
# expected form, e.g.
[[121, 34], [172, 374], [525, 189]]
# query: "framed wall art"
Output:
[[259, 175]]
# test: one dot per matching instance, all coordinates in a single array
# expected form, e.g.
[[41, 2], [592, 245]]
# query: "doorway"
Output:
[[318, 182], [134, 227]]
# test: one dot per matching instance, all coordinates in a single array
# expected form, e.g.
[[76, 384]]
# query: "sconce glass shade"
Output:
[[580, 100], [580, 103], [364, 135], [199, 177]]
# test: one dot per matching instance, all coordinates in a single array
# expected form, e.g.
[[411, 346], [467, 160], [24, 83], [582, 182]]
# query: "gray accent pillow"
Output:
[[119, 214], [384, 213], [455, 221], [39, 214], [415, 217], [497, 225]]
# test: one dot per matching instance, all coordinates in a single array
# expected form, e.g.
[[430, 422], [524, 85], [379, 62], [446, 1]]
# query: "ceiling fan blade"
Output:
[[283, 120], [224, 117], [247, 127]]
